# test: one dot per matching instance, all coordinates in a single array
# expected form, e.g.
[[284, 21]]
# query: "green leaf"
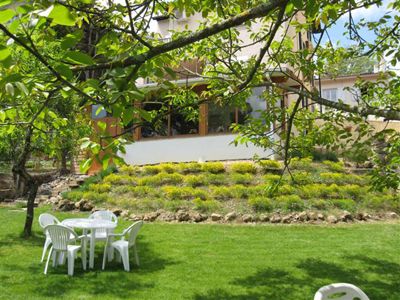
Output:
[[102, 125], [64, 71], [84, 167], [79, 58], [22, 87], [62, 16], [4, 53], [70, 40], [4, 2], [6, 15], [10, 89]]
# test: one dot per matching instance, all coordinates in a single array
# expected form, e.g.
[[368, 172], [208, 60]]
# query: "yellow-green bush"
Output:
[[123, 189], [74, 195], [143, 191], [205, 205], [129, 170], [334, 166], [192, 167], [216, 179], [176, 192], [260, 204], [240, 191], [320, 204], [169, 167], [242, 178], [195, 180], [221, 192], [271, 178], [243, 167], [161, 179], [268, 165], [119, 179], [151, 170], [286, 189], [96, 197], [302, 177], [213, 167], [346, 204], [100, 187], [304, 164], [290, 202]]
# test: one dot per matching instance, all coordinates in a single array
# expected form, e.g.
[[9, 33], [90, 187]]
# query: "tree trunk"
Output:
[[33, 188], [64, 157]]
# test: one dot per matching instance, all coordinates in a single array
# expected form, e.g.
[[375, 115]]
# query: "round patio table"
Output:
[[92, 225]]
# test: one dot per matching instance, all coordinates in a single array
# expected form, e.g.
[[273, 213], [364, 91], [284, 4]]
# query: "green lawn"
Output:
[[199, 261]]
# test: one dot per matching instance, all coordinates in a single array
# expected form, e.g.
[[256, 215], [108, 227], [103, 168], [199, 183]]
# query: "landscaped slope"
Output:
[[243, 187]]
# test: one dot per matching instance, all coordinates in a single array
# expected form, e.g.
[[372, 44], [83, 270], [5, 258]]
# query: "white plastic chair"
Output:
[[123, 245], [101, 234], [61, 237], [349, 291], [45, 220]]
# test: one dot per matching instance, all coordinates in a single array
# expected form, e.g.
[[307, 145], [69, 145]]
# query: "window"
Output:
[[98, 112], [330, 94]]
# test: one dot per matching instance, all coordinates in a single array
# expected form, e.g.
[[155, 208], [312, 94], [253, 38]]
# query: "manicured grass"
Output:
[[199, 261]]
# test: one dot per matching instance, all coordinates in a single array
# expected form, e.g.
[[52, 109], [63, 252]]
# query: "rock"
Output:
[[312, 216], [230, 216], [134, 217], [264, 218], [124, 214], [182, 215], [166, 216], [216, 217], [287, 219], [276, 219], [320, 217], [65, 205], [346, 216], [54, 199], [84, 205], [150, 217], [303, 216], [247, 218], [117, 211], [197, 217], [332, 219], [392, 215]]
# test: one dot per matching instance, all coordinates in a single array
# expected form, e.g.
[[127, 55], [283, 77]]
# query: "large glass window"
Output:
[[330, 94], [98, 112]]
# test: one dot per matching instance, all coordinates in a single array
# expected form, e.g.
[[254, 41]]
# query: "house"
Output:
[[209, 137]]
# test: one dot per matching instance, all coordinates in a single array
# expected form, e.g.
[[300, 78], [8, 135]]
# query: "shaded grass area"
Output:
[[199, 261]]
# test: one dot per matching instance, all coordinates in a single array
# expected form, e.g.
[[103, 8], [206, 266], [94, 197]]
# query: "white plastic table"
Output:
[[92, 225]]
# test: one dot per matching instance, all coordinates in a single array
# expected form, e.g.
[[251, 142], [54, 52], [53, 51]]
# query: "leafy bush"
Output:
[[100, 187], [119, 179], [215, 179], [353, 191], [95, 197], [340, 178], [346, 204], [169, 167], [175, 192], [123, 189], [151, 170], [286, 189], [128, 170], [304, 164], [195, 180], [334, 166], [205, 205], [213, 167], [320, 155], [174, 205], [260, 204], [243, 167], [270, 165], [242, 178], [161, 179], [74, 195], [240, 191], [143, 191], [320, 204], [271, 178], [382, 202], [302, 177], [221, 192], [187, 168], [97, 178], [290, 202]]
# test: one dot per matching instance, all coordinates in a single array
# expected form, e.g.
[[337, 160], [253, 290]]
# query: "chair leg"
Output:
[[47, 243], [118, 256], [136, 255], [83, 254], [54, 258], [71, 263], [105, 256], [125, 258], [48, 260]]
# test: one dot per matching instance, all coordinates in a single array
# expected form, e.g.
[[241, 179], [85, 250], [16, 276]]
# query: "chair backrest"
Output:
[[60, 236], [104, 215], [47, 219], [132, 232], [344, 291]]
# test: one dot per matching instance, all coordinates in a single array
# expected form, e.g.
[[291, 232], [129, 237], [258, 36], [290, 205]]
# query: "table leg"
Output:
[[92, 246]]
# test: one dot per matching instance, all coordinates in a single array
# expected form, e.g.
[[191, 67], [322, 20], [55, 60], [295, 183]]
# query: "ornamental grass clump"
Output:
[[240, 191], [123, 189], [243, 168], [216, 179], [96, 197], [304, 164], [213, 167], [74, 195], [205, 205], [345, 204], [221, 192], [192, 167], [290, 203], [151, 170], [129, 170], [169, 167], [302, 177], [174, 192], [119, 179], [319, 204], [268, 165], [100, 187], [335, 166], [195, 180], [271, 178], [260, 204], [161, 179], [246, 179]]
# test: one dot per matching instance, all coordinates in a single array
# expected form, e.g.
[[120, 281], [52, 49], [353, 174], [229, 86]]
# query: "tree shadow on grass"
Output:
[[380, 281], [113, 281]]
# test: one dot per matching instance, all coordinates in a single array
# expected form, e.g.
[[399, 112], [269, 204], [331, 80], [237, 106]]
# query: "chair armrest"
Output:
[[115, 234], [81, 237]]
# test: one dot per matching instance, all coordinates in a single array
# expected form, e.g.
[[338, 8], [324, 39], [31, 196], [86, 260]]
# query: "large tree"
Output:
[[103, 47]]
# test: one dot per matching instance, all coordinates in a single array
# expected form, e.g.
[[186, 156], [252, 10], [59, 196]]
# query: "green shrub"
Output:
[[142, 204], [95, 197], [97, 178], [270, 165], [161, 179], [304, 164], [100, 187], [119, 179], [213, 167], [177, 193], [271, 178], [290, 202], [221, 192], [320, 204], [327, 177], [382, 202], [240, 191], [143, 191], [205, 205], [74, 195], [151, 170], [123, 189], [169, 167], [192, 167], [216, 179], [175, 205], [302, 177], [200, 193], [260, 204], [243, 167], [346, 204], [258, 190], [286, 189], [353, 191], [242, 178], [320, 155], [334, 166], [195, 180], [128, 170]]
